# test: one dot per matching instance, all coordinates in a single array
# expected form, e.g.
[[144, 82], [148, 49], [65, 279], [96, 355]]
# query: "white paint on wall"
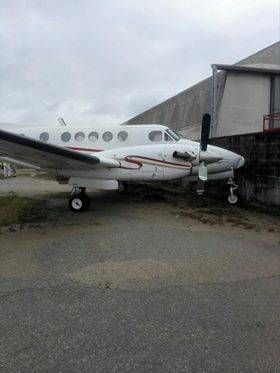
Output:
[[245, 101]]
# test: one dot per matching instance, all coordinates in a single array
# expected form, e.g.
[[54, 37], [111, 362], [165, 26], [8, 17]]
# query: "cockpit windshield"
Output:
[[175, 136]]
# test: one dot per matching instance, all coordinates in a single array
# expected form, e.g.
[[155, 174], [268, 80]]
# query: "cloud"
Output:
[[105, 61]]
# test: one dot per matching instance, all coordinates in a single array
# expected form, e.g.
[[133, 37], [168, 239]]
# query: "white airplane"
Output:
[[106, 157]]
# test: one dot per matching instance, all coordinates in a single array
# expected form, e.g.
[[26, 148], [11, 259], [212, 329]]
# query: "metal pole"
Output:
[[272, 101], [214, 94]]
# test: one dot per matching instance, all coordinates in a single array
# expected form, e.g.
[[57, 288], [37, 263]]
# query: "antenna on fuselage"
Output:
[[61, 122]]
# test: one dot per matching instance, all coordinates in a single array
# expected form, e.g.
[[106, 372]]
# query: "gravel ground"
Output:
[[139, 284]]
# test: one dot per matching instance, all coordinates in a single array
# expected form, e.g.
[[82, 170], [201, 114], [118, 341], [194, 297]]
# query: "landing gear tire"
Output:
[[79, 202], [232, 199]]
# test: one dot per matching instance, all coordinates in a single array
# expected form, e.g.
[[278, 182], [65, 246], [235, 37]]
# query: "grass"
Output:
[[18, 210]]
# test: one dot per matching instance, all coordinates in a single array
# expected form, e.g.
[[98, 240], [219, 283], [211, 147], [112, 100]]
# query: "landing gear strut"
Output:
[[232, 198], [79, 200], [200, 187]]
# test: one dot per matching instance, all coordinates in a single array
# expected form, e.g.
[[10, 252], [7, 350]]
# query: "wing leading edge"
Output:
[[48, 156]]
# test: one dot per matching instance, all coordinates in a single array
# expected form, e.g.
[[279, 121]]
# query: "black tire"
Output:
[[232, 199], [79, 202]]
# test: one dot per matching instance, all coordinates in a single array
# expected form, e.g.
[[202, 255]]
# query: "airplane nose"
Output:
[[240, 161]]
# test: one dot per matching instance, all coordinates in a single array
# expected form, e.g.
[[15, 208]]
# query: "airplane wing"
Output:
[[48, 156]]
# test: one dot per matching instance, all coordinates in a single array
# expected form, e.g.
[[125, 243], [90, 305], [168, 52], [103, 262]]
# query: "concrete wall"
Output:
[[269, 55], [259, 179], [183, 111]]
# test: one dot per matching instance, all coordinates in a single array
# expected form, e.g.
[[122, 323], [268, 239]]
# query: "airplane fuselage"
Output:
[[144, 153]]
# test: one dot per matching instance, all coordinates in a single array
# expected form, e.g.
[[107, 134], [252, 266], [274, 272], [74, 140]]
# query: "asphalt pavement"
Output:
[[134, 285]]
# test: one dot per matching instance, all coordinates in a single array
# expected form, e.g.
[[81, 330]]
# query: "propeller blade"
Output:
[[205, 130], [202, 171]]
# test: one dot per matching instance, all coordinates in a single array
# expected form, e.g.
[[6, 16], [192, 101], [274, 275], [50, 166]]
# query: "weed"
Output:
[[16, 210]]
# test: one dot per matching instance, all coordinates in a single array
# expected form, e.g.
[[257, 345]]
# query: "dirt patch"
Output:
[[35, 202], [23, 172], [209, 211], [43, 176], [216, 216], [205, 209], [146, 192]]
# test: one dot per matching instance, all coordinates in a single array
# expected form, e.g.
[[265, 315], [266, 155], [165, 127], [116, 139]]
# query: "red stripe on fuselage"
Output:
[[127, 159], [160, 161], [140, 164]]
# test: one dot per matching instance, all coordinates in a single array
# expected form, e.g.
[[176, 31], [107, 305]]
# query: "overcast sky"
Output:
[[104, 61]]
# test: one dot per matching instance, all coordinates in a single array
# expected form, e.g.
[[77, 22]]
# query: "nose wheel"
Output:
[[79, 201], [232, 198]]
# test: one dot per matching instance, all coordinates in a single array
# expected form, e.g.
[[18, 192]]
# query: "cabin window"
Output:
[[66, 136], [80, 136], [107, 136], [44, 136], [174, 135], [167, 137], [93, 136], [122, 136], [155, 136]]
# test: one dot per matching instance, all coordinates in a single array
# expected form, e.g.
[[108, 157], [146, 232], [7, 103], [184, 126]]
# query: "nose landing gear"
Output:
[[79, 200], [232, 198], [200, 187]]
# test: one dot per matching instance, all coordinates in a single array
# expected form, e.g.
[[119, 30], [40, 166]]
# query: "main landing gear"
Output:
[[79, 200], [232, 198]]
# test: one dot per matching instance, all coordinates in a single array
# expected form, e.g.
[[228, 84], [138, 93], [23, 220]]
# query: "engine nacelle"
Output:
[[185, 156]]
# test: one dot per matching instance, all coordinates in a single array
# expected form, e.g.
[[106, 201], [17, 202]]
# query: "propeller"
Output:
[[205, 130]]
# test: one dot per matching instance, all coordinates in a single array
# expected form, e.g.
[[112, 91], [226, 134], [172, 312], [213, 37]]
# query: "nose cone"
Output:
[[239, 162]]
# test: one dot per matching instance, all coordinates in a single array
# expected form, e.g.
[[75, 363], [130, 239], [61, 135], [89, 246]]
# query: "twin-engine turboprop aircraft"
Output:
[[107, 157]]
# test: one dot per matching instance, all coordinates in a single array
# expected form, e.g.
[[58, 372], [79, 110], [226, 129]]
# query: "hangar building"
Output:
[[239, 97]]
